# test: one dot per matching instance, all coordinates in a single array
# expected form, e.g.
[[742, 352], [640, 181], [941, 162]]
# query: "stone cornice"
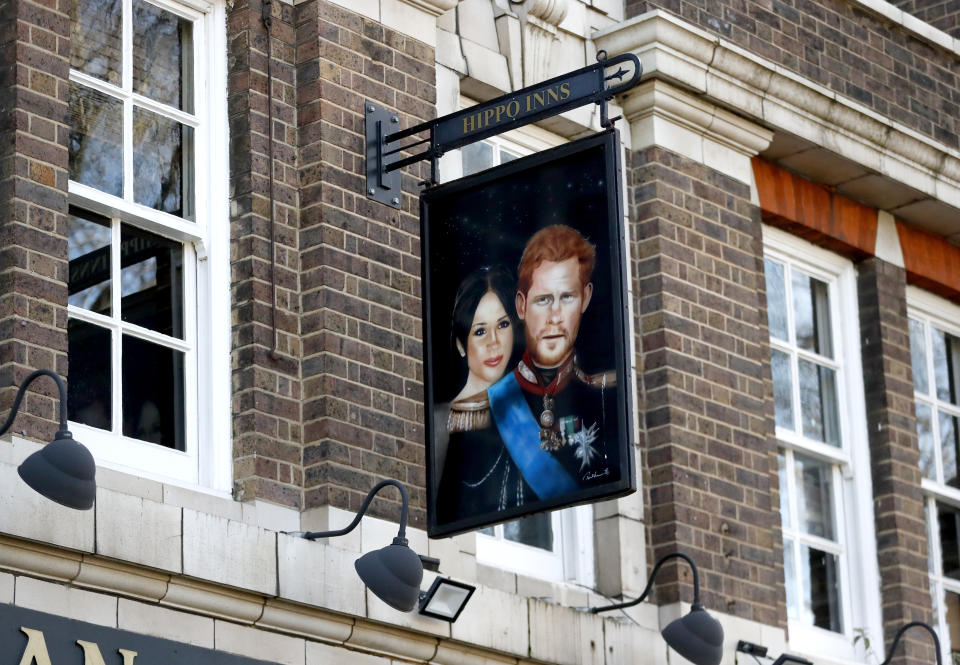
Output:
[[432, 7], [763, 91]]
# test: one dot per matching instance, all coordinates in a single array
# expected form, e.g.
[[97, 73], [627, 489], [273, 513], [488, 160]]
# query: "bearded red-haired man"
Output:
[[539, 432]]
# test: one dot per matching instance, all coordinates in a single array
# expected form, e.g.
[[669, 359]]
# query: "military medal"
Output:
[[549, 440]]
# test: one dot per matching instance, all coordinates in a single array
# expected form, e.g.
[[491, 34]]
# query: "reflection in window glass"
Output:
[[946, 365], [162, 49], [162, 163], [818, 402], [89, 389], [88, 246], [95, 44], [789, 569], [776, 300], [812, 314], [151, 280], [949, 520], [952, 607], [821, 589], [152, 410], [782, 389], [96, 140], [925, 439], [535, 531], [948, 447], [815, 496], [476, 157], [918, 356], [785, 520]]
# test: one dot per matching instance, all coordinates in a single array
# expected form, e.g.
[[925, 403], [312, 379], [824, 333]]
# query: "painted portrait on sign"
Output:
[[525, 344]]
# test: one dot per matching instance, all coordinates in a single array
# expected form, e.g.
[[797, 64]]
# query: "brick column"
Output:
[[894, 456], [362, 350], [34, 129], [266, 384], [711, 472]]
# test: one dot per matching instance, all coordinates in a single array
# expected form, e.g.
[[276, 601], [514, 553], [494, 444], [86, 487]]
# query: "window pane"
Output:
[[812, 311], [162, 50], [821, 589], [151, 281], [925, 441], [818, 402], [776, 300], [95, 46], [785, 520], [162, 163], [790, 579], [507, 156], [152, 409], [948, 447], [918, 356], [476, 157], [96, 140], [535, 531], [814, 497], [946, 365], [952, 607], [782, 388], [89, 385], [89, 250], [949, 521]]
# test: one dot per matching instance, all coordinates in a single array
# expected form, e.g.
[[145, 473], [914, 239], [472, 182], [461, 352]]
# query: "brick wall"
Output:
[[941, 14], [34, 65], [843, 47], [267, 434], [362, 350], [710, 452], [894, 456]]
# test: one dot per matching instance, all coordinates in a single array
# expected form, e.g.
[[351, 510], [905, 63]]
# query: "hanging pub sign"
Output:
[[527, 392], [29, 637]]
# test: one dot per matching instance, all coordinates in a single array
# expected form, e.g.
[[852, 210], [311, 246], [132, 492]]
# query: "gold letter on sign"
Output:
[[128, 656], [36, 651], [91, 653]]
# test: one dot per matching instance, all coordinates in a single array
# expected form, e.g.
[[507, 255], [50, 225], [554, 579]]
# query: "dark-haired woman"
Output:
[[482, 333]]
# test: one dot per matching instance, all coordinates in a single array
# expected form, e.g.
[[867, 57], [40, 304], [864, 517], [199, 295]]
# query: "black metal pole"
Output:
[[22, 391], [401, 534], [653, 575], [896, 640]]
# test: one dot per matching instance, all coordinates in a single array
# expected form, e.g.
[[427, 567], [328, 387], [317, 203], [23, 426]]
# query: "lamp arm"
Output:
[[22, 391], [401, 534], [896, 640], [646, 591]]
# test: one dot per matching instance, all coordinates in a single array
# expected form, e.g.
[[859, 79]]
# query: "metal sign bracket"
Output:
[[382, 186]]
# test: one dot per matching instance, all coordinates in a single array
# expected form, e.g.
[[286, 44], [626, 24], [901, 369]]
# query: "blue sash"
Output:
[[521, 435]]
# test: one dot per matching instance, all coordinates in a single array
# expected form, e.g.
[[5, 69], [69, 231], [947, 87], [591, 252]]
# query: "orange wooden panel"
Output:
[[815, 212], [931, 261]]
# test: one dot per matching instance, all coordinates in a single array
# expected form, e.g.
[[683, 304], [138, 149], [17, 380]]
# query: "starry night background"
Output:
[[486, 219]]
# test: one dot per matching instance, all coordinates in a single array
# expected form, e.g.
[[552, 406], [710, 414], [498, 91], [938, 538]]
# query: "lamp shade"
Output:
[[393, 573], [698, 637], [63, 471]]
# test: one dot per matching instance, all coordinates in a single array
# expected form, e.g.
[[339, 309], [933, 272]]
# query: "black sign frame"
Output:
[[608, 144]]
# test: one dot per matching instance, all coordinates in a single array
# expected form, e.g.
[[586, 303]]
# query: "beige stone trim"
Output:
[[717, 70], [888, 241], [663, 115]]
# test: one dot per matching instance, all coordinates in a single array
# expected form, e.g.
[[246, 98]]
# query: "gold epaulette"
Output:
[[598, 380], [469, 414]]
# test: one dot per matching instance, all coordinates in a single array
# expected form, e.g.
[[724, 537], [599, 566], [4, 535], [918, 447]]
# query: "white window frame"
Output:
[[935, 311], [206, 461], [572, 556], [853, 493]]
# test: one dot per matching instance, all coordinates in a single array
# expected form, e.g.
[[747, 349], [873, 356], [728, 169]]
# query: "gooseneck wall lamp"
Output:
[[63, 470], [393, 572], [896, 640], [698, 637]]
